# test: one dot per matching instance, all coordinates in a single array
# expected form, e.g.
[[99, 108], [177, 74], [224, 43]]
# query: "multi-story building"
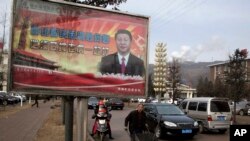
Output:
[[218, 70]]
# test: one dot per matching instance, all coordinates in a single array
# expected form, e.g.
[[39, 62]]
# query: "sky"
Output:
[[193, 30]]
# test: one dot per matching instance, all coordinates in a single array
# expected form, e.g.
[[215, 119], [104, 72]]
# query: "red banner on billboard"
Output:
[[69, 48]]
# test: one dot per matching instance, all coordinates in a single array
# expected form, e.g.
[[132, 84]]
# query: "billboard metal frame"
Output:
[[71, 93]]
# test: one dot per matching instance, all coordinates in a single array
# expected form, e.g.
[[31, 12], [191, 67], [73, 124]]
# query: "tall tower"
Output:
[[160, 70]]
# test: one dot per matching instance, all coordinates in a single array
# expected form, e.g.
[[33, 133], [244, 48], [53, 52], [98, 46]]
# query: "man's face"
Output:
[[140, 108], [123, 43]]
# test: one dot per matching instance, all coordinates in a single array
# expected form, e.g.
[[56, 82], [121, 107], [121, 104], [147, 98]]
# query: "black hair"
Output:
[[123, 31]]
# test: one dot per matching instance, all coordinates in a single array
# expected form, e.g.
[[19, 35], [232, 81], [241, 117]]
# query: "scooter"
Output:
[[102, 125]]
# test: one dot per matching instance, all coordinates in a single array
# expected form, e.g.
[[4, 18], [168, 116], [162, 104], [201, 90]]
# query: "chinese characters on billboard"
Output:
[[68, 48]]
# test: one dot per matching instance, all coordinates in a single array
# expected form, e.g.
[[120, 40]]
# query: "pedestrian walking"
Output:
[[36, 102], [136, 120]]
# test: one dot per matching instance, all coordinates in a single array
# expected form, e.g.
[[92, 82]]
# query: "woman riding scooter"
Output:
[[100, 110]]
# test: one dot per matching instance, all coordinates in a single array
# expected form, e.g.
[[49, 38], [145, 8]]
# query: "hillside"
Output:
[[191, 71]]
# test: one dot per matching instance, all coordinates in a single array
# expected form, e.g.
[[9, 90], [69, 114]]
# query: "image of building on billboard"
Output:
[[68, 48]]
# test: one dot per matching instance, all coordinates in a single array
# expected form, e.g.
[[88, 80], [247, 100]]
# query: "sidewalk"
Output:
[[23, 125]]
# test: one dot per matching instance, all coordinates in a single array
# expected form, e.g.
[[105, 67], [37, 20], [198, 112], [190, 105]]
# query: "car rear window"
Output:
[[219, 106]]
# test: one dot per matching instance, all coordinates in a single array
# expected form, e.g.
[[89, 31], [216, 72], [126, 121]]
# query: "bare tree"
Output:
[[200, 87], [219, 89], [174, 77], [101, 3]]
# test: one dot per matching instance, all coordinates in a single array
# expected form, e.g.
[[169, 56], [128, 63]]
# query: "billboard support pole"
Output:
[[69, 118], [82, 119], [63, 110], [85, 117]]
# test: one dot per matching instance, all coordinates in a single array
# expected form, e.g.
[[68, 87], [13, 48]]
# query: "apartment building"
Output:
[[218, 70]]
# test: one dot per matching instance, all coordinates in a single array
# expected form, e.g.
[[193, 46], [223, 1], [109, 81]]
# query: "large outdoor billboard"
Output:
[[63, 48]]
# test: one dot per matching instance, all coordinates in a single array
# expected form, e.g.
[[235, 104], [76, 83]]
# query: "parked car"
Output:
[[134, 100], [116, 103], [242, 108], [155, 100], [12, 99], [166, 119], [141, 100], [19, 97], [211, 113], [3, 98], [92, 102]]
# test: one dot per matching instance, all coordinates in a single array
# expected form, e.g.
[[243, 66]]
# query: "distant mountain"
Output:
[[191, 71]]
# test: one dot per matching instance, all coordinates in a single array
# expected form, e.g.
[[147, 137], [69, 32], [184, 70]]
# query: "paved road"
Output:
[[210, 136], [117, 125], [23, 125]]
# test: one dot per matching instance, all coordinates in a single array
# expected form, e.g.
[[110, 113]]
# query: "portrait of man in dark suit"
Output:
[[123, 61]]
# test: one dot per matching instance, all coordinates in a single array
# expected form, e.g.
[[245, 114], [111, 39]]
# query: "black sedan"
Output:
[[166, 119], [116, 103]]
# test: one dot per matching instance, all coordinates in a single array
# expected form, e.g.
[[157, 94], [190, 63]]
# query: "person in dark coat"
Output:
[[123, 61], [36, 102], [137, 121]]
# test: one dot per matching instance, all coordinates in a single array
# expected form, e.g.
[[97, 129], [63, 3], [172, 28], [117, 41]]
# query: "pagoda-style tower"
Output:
[[160, 70]]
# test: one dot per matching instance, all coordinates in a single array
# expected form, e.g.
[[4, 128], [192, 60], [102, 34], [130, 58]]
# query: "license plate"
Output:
[[186, 131], [220, 118]]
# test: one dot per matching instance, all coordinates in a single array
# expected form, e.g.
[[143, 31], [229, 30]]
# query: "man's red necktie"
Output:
[[123, 66]]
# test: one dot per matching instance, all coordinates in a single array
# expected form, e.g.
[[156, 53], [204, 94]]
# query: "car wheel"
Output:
[[222, 131], [158, 132], [241, 112], [121, 108], [5, 103]]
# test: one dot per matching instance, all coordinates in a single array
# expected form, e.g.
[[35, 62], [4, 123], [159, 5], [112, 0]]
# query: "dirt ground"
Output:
[[53, 129]]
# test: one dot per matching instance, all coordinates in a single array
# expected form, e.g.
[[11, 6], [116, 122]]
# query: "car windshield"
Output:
[[219, 106], [169, 110]]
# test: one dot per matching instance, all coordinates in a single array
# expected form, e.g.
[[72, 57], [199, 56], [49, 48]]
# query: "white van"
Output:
[[211, 113]]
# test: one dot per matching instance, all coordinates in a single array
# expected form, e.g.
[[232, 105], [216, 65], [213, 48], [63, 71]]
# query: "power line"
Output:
[[167, 10], [178, 9], [185, 11]]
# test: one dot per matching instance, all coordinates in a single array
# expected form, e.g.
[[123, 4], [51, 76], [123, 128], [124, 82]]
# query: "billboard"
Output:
[[63, 48]]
